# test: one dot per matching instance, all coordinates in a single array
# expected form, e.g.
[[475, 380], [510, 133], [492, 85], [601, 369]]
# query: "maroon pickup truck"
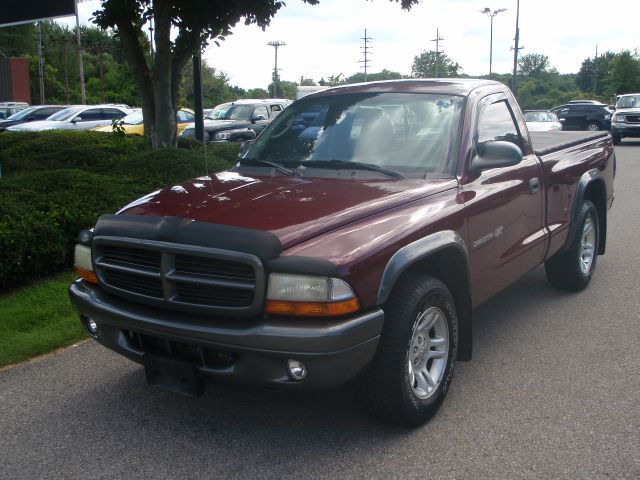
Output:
[[352, 241]]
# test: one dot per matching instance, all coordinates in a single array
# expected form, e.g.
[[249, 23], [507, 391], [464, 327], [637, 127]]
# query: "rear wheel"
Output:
[[410, 374], [593, 126], [573, 268]]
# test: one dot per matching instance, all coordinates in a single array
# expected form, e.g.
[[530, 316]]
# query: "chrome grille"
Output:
[[633, 118], [181, 277]]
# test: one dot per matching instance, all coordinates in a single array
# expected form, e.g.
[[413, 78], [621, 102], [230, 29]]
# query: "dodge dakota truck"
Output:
[[351, 241]]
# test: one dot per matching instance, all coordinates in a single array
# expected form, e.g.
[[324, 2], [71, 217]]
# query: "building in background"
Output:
[[14, 80]]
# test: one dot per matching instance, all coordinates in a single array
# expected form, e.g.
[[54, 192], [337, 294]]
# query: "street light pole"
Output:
[[515, 52], [491, 14]]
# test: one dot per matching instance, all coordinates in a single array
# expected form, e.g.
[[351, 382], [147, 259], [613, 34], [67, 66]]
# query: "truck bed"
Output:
[[545, 143]]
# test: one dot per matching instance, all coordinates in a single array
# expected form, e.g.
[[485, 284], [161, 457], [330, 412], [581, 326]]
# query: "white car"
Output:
[[81, 117], [542, 121]]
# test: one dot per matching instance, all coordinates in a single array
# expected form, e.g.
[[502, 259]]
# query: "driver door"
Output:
[[506, 238]]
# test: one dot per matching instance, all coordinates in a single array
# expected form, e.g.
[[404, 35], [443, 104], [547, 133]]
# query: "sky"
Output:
[[326, 39]]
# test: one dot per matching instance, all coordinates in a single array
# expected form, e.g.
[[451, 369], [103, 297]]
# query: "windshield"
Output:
[[65, 114], [540, 117], [21, 114], [228, 111], [629, 101], [409, 133], [134, 118]]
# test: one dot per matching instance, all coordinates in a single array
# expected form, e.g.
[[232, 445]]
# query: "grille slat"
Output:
[[164, 274]]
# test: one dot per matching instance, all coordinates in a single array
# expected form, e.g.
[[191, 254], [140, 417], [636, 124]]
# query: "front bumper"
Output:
[[625, 129], [235, 350]]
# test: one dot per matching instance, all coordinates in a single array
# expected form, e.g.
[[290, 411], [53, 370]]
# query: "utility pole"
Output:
[[438, 39], [365, 49], [83, 93], [595, 73], [197, 96], [516, 49], [275, 45], [40, 63], [66, 68]]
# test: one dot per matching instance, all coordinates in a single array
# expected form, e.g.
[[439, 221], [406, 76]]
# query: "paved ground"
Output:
[[552, 392]]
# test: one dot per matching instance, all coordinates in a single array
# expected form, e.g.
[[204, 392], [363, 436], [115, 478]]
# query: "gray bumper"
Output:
[[625, 129], [236, 350]]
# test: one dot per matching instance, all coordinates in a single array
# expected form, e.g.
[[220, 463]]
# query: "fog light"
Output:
[[297, 370], [90, 326]]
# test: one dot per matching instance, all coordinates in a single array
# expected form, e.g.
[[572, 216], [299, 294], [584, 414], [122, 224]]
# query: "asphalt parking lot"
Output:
[[553, 391]]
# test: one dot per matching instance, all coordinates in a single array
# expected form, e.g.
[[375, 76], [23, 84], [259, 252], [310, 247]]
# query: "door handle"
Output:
[[534, 185]]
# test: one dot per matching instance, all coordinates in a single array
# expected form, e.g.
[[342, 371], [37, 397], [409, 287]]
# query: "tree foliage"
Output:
[[533, 64], [429, 65]]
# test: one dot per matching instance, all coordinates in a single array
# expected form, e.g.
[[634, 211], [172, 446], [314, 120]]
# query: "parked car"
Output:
[[132, 123], [542, 121], [583, 116], [625, 121], [31, 114], [240, 120], [355, 254], [9, 108], [82, 117]]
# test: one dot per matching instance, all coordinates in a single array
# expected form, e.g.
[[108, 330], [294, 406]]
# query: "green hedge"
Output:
[[48, 195]]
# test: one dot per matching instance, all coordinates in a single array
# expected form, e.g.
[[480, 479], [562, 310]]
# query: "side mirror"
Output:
[[495, 154], [255, 118], [76, 119]]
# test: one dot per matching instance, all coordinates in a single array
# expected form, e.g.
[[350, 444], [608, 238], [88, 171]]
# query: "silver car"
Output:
[[82, 117]]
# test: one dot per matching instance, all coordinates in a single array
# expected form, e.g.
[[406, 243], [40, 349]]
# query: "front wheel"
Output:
[[593, 127], [573, 268], [410, 374]]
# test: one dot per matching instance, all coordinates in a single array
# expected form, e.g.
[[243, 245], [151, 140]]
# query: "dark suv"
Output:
[[583, 116]]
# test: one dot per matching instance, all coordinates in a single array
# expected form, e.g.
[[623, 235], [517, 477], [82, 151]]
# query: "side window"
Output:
[[111, 113], [275, 110], [261, 111], [563, 111], [185, 117], [496, 124], [42, 113], [90, 115]]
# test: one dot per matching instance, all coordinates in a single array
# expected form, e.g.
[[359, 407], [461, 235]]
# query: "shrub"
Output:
[[57, 183]]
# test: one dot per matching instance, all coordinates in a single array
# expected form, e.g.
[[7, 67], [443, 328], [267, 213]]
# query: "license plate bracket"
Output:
[[175, 375]]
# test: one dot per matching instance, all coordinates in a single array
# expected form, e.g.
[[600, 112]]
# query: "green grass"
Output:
[[37, 319]]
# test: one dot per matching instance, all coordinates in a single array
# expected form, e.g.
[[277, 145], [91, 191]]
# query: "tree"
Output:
[[194, 23], [533, 64], [624, 73], [373, 77], [215, 87], [592, 77], [425, 65], [286, 89]]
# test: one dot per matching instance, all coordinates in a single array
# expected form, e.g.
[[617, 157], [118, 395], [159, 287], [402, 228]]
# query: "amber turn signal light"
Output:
[[86, 275], [312, 309]]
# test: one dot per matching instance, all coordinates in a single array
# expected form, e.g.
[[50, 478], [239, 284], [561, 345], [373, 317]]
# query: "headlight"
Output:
[[617, 118], [607, 117], [306, 295], [222, 136], [82, 254], [188, 133]]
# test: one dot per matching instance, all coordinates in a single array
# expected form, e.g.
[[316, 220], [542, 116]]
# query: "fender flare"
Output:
[[408, 255], [588, 178]]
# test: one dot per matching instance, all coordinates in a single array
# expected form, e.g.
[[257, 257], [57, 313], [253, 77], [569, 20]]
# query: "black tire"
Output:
[[385, 387], [593, 126], [565, 270], [617, 139]]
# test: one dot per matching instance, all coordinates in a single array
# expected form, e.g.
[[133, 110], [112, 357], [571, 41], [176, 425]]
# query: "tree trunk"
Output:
[[165, 118]]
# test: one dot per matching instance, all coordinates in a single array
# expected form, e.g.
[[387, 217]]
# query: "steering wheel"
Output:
[[285, 128]]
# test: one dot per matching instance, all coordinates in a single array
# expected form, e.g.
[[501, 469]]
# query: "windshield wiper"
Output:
[[278, 166], [343, 164]]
